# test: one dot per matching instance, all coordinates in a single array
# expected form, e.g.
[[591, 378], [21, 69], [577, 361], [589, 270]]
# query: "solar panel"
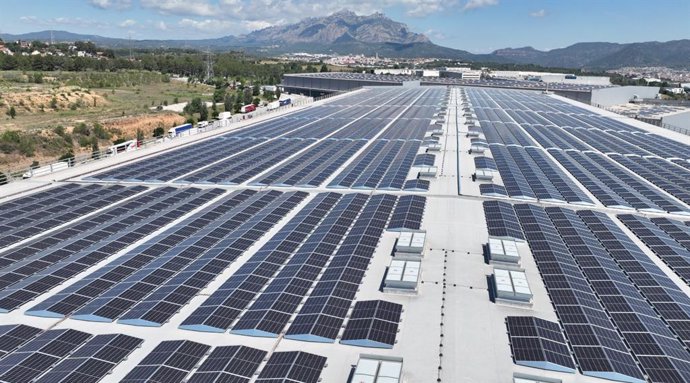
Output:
[[148, 254], [171, 361], [94, 360], [501, 220], [39, 355], [493, 190], [372, 324], [226, 304], [236, 364], [324, 311], [270, 313], [622, 297], [84, 200], [35, 268], [13, 336], [596, 344], [539, 343], [408, 213], [292, 366]]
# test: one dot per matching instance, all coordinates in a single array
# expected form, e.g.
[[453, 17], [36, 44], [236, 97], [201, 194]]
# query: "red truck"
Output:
[[248, 108]]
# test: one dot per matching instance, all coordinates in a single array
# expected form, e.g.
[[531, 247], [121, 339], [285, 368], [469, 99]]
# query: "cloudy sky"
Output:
[[475, 25]]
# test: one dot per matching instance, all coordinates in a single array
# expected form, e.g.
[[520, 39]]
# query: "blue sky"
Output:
[[475, 25]]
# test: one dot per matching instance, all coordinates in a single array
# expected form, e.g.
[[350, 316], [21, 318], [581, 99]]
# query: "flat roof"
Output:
[[451, 330]]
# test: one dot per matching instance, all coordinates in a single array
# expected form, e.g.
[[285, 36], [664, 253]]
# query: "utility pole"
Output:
[[209, 65], [130, 46]]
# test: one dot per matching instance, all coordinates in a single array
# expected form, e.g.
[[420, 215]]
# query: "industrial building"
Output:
[[391, 234]]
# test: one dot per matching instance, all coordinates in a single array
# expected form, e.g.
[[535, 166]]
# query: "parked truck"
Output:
[[273, 105], [224, 115], [126, 146], [285, 101], [183, 130], [248, 108]]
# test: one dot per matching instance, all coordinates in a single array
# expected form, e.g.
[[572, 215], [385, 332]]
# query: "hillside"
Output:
[[345, 32]]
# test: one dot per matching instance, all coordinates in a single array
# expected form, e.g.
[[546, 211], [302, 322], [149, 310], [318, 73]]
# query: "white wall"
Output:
[[681, 119], [621, 94]]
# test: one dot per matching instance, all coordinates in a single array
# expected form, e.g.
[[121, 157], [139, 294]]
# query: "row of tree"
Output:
[[182, 63]]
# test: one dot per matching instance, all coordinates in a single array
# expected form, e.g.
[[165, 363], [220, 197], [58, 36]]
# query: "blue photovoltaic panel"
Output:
[[178, 239], [292, 366], [539, 343], [92, 361], [271, 311], [372, 324], [227, 303], [493, 190], [596, 344], [170, 362], [501, 220], [33, 269], [13, 336], [80, 202], [232, 364], [37, 356], [590, 238], [408, 213]]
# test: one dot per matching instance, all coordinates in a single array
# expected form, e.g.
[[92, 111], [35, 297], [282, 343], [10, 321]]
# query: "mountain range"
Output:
[[345, 32]]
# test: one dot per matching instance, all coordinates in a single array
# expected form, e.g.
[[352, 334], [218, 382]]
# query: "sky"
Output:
[[478, 26]]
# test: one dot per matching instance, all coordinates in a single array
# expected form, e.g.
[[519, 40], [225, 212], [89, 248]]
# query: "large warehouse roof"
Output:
[[392, 234]]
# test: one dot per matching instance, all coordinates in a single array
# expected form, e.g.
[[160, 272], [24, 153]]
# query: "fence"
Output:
[[87, 158]]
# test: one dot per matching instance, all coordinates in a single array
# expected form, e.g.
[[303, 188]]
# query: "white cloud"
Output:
[[161, 26], [539, 13], [127, 23], [434, 34], [59, 21], [475, 4], [182, 7], [111, 4]]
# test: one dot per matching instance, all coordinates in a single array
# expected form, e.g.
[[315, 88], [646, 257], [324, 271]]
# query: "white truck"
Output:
[[224, 115], [273, 105]]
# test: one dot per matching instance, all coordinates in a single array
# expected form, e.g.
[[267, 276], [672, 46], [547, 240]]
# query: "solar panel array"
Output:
[[311, 146], [61, 355], [256, 248], [533, 137], [604, 287]]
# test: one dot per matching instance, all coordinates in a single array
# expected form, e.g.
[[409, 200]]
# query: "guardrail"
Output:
[[25, 172], [676, 129]]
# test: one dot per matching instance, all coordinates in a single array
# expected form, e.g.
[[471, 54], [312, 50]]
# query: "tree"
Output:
[[140, 135], [324, 68], [214, 111], [12, 112], [256, 90], [227, 103], [219, 94], [159, 131], [203, 114], [247, 97], [95, 151], [256, 101], [278, 93]]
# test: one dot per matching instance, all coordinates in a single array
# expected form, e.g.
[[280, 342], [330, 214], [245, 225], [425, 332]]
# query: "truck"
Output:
[[248, 108], [273, 105], [285, 101], [224, 115], [182, 130], [47, 169], [126, 146]]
